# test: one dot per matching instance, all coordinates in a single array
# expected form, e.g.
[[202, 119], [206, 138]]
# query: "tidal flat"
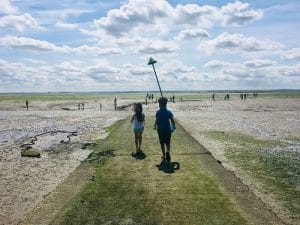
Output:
[[266, 127]]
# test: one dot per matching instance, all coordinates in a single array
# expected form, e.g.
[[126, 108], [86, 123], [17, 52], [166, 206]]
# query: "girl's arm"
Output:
[[132, 118], [143, 119]]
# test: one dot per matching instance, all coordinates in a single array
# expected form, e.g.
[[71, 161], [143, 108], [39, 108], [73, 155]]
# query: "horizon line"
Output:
[[156, 91]]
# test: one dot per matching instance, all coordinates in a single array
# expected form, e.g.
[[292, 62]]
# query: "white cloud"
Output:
[[103, 69], [12, 19], [34, 61], [132, 14], [137, 70], [44, 46], [173, 74], [292, 54], [158, 46], [61, 75], [194, 14], [177, 66], [63, 14], [191, 34], [7, 7], [19, 22], [290, 71], [139, 15], [14, 74], [206, 16], [232, 43], [7, 71], [243, 73], [126, 41], [215, 64], [96, 50], [148, 25], [69, 26], [252, 70], [239, 14], [31, 44], [67, 66], [258, 63], [105, 73]]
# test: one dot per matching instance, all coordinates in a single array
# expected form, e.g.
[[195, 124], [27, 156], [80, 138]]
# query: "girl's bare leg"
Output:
[[136, 140]]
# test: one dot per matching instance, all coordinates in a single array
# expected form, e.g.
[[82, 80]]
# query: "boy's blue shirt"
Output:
[[164, 115]]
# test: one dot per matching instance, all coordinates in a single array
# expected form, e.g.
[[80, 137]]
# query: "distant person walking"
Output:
[[27, 104], [138, 120], [227, 97], [115, 103], [213, 96], [164, 129], [100, 106]]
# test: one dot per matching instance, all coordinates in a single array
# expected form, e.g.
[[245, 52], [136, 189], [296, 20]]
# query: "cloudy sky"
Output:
[[94, 45]]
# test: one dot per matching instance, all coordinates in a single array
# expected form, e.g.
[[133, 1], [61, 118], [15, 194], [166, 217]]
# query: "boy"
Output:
[[162, 124]]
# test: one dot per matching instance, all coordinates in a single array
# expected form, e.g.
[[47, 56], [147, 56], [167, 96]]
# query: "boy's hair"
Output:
[[163, 101]]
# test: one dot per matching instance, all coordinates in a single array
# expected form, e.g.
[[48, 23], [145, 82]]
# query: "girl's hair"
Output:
[[139, 112]]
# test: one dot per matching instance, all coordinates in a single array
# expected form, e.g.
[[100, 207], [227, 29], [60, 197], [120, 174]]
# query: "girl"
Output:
[[138, 120]]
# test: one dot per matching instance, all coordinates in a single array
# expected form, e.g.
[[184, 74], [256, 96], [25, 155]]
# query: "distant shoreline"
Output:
[[151, 91]]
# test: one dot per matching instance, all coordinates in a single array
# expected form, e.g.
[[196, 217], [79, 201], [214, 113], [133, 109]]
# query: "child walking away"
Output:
[[138, 120], [164, 128]]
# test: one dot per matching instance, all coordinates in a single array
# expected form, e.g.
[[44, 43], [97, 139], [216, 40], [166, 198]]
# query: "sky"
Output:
[[93, 45]]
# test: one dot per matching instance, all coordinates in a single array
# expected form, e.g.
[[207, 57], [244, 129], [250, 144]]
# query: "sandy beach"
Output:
[[59, 129], [24, 180]]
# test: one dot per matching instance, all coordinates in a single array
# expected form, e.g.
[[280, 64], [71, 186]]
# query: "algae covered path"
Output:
[[192, 189]]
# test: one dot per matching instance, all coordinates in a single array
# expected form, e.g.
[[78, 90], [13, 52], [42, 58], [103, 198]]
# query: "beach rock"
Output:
[[88, 145], [30, 153]]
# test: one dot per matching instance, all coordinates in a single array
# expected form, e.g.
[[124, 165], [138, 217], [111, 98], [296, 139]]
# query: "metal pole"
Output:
[[157, 80]]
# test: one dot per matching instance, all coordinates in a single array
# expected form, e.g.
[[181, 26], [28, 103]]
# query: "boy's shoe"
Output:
[[168, 157]]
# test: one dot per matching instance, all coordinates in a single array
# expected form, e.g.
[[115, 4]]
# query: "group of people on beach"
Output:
[[162, 124], [81, 106]]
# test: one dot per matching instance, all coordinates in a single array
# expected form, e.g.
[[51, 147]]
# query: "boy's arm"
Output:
[[173, 123], [155, 123]]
